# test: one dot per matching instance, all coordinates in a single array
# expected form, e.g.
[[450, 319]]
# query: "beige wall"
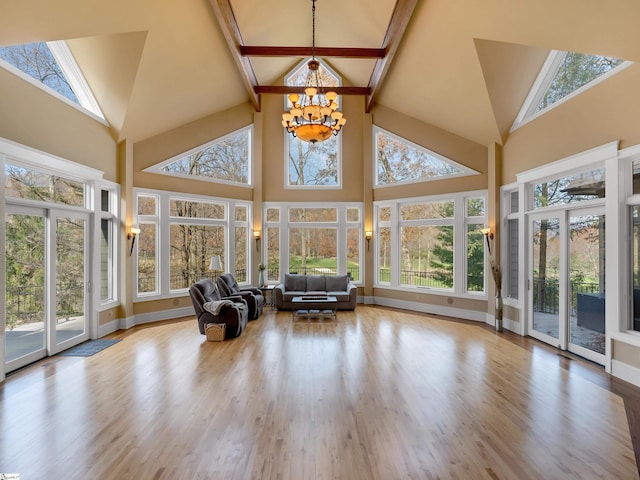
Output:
[[32, 117]]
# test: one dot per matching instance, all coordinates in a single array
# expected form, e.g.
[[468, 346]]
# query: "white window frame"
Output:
[[459, 221], [505, 251], [60, 51], [158, 167], [113, 215], [464, 171], [546, 75], [340, 224], [288, 137], [163, 223]]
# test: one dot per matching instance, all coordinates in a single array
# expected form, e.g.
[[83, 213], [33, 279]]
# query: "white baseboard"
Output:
[[433, 309], [625, 372], [132, 321], [164, 315]]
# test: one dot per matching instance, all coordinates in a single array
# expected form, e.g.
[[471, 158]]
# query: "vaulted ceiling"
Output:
[[463, 66]]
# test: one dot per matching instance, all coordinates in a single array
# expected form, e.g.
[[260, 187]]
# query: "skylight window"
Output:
[[400, 161], [226, 159], [563, 76], [52, 65]]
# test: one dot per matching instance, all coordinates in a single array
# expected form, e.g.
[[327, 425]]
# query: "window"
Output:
[[108, 233], [33, 184], [180, 233], [440, 244], [147, 244], [51, 65], [312, 164], [588, 185], [226, 159], [511, 243], [320, 240], [273, 244], [563, 76], [399, 161]]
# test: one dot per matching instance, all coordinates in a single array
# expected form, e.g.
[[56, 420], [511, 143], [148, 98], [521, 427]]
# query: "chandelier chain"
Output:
[[313, 29]]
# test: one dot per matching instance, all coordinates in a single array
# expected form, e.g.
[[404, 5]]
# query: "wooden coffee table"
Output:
[[314, 306]]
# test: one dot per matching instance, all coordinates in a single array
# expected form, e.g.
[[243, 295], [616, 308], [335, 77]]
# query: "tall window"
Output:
[[312, 164], [272, 226], [401, 161], [109, 196], [179, 235], [440, 244], [226, 159], [318, 240], [511, 209]]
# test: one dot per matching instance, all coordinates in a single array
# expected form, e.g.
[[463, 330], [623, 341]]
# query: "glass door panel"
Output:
[[586, 284], [25, 286], [70, 317], [545, 282]]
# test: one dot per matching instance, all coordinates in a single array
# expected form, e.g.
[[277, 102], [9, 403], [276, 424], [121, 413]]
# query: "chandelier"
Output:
[[313, 116]]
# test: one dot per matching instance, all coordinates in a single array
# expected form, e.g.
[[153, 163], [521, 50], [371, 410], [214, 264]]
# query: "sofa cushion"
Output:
[[295, 282], [337, 283], [315, 283], [340, 296], [289, 294]]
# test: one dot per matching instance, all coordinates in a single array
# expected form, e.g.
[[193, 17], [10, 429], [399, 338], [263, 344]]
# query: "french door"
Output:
[[46, 282], [566, 281]]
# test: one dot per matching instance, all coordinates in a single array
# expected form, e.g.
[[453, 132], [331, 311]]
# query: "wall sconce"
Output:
[[256, 235], [133, 233], [488, 234], [215, 265], [368, 235]]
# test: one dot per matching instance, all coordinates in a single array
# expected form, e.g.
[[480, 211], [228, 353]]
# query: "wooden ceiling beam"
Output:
[[229, 26], [284, 90], [402, 13], [342, 52]]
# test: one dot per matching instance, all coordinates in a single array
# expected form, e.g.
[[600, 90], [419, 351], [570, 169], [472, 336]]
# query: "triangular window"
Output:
[[226, 159], [51, 64], [313, 165], [563, 76], [401, 161]]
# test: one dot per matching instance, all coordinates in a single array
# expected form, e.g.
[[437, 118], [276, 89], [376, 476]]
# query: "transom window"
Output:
[[587, 185], [317, 164], [400, 161], [226, 159]]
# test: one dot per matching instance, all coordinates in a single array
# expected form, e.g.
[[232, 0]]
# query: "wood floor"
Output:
[[378, 394]]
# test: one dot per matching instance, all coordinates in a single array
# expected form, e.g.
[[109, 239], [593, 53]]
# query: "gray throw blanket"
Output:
[[215, 306]]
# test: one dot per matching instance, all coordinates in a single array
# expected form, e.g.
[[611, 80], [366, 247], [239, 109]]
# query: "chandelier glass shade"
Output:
[[314, 115]]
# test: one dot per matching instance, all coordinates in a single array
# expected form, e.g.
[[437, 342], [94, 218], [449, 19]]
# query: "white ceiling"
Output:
[[463, 66]]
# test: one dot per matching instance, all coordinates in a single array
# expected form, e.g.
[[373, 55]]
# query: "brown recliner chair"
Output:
[[234, 315], [255, 300]]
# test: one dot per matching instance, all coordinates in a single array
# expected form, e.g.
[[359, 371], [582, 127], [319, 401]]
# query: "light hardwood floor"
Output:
[[378, 394]]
